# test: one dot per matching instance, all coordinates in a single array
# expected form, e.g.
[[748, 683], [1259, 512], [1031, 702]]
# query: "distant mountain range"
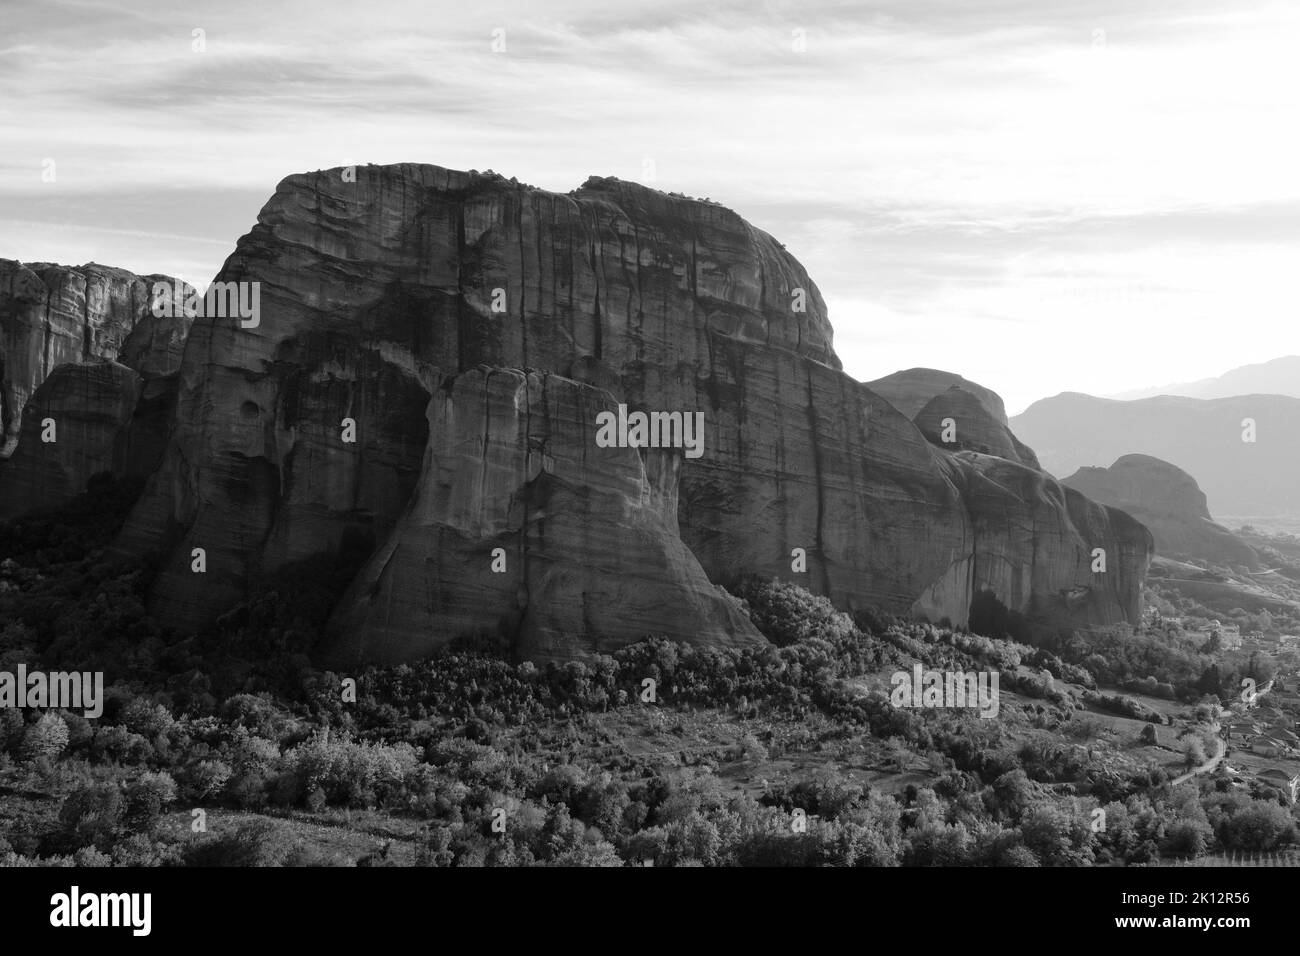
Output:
[[1281, 376], [1204, 437]]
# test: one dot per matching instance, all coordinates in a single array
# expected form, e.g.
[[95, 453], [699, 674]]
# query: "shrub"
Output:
[[348, 774], [1260, 826], [93, 815], [12, 729], [256, 843], [147, 719], [207, 778], [145, 799], [786, 613], [47, 738], [88, 856]]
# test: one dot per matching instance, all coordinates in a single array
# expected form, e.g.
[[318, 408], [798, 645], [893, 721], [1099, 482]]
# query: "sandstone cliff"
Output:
[[973, 427], [72, 428], [911, 389], [521, 529], [1036, 540], [380, 299], [51, 315], [83, 354]]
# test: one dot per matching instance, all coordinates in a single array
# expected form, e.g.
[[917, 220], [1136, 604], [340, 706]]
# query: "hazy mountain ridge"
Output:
[[1279, 376], [1207, 438]]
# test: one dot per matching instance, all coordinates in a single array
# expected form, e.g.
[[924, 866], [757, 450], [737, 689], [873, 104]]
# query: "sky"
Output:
[[1043, 197]]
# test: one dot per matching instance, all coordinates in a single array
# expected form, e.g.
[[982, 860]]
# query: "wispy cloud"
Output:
[[986, 186]]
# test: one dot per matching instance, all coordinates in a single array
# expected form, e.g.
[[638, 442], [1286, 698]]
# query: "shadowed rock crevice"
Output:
[[591, 556]]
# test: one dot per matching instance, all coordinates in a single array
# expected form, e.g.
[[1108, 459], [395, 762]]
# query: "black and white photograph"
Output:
[[852, 436]]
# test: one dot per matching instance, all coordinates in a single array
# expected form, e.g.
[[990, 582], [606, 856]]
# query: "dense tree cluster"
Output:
[[485, 761]]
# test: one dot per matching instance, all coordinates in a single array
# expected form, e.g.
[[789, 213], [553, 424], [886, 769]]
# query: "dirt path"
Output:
[[1205, 767]]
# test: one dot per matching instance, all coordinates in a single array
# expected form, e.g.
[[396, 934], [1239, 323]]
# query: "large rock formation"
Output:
[[959, 419], [380, 297], [74, 426], [51, 315], [910, 390], [92, 374], [1168, 501], [520, 528], [1036, 541]]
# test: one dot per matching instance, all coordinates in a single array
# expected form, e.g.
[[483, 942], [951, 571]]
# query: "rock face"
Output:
[[973, 427], [101, 414], [521, 529], [909, 391], [51, 315], [1169, 502], [1028, 531], [85, 409], [371, 289], [415, 302]]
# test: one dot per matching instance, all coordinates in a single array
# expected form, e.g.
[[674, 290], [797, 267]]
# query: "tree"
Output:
[[1211, 681], [46, 738], [1017, 855], [899, 754], [1013, 793], [146, 798], [208, 777], [93, 815], [938, 844], [1048, 832], [1262, 825]]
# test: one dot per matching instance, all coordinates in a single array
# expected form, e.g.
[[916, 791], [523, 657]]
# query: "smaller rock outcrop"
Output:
[[52, 314], [1169, 502], [1019, 510], [959, 420], [74, 426], [910, 390], [90, 374]]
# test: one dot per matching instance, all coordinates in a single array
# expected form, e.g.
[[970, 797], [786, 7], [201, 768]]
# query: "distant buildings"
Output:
[[1229, 635], [1289, 784], [1267, 732], [1242, 731], [1267, 746]]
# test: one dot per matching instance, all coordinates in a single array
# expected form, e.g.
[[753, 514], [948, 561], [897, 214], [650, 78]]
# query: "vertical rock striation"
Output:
[[81, 349], [51, 315], [521, 529]]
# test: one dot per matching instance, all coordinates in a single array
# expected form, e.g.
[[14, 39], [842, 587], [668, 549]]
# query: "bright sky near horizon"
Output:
[[1095, 196]]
